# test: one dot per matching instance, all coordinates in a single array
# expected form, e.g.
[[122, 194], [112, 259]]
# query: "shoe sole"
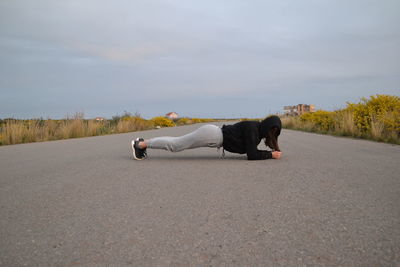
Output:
[[133, 150]]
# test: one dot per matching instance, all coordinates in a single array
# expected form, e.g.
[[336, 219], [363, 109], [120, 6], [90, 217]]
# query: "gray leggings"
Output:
[[206, 136]]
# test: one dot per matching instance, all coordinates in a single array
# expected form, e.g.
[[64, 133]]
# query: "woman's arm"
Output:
[[252, 140]]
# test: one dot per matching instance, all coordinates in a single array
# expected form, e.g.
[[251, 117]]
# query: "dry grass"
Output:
[[344, 124], [15, 132], [131, 124], [295, 123], [377, 129], [23, 131]]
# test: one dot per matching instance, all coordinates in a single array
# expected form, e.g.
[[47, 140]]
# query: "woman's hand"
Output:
[[276, 154]]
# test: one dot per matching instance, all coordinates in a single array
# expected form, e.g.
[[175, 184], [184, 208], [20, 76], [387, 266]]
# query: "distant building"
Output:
[[298, 109], [172, 115], [99, 119]]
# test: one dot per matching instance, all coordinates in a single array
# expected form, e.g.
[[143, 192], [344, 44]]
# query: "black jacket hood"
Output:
[[268, 123]]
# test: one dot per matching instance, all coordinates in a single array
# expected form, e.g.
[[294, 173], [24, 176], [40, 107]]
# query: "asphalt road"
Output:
[[329, 201]]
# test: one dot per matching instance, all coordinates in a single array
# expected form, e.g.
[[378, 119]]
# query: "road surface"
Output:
[[329, 201]]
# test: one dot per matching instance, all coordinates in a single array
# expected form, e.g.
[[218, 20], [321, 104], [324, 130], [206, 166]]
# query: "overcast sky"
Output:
[[208, 58]]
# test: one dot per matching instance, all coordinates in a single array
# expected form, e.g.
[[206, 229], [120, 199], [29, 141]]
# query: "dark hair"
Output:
[[271, 140]]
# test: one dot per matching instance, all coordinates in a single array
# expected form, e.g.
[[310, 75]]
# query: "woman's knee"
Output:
[[173, 146]]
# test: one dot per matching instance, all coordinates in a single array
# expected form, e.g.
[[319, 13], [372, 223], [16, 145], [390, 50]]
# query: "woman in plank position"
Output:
[[242, 137]]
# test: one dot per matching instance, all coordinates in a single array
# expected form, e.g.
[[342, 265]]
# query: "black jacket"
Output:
[[244, 137]]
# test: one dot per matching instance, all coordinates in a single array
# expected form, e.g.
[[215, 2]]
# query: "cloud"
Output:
[[171, 50], [124, 54]]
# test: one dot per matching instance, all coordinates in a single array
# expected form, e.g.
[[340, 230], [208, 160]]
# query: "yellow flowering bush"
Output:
[[323, 120], [162, 122], [376, 118], [384, 109]]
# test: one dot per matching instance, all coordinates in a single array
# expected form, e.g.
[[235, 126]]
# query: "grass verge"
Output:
[[13, 131], [376, 118]]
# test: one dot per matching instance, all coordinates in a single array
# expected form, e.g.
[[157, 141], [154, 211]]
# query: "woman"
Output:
[[242, 137]]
